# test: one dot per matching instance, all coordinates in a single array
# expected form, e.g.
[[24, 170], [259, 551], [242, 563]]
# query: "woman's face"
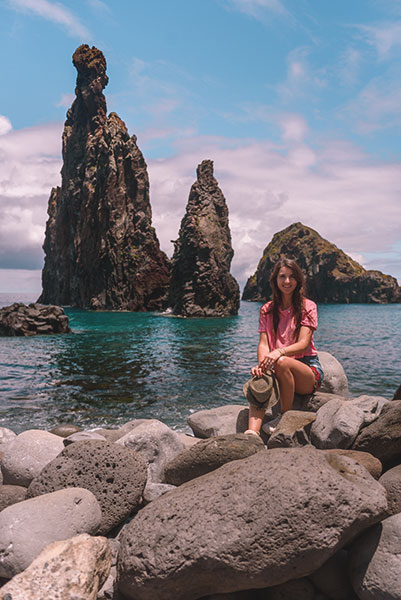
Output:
[[286, 281]]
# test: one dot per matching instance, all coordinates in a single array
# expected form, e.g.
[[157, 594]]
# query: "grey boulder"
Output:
[[375, 561], [69, 570], [26, 455], [293, 430], [114, 474], [367, 460], [29, 526], [335, 380], [222, 420], [252, 523], [382, 438], [210, 454], [332, 577], [156, 443], [6, 436], [11, 494], [391, 481], [338, 422]]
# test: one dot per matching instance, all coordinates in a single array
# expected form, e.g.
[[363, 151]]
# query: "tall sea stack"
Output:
[[101, 249], [331, 275], [201, 283]]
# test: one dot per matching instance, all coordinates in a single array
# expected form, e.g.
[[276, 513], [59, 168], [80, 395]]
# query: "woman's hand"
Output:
[[269, 360], [256, 371]]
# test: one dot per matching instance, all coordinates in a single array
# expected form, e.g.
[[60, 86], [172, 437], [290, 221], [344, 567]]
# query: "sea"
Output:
[[118, 366]]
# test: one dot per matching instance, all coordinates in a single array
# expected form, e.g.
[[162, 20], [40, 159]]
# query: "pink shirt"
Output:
[[286, 327]]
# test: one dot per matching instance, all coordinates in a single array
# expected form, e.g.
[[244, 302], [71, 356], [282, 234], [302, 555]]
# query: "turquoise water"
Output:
[[119, 366]]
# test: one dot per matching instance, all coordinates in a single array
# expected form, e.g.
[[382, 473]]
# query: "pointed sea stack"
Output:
[[331, 275], [201, 283], [101, 249]]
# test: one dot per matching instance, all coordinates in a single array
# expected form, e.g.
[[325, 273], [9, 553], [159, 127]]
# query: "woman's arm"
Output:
[[263, 351], [304, 338]]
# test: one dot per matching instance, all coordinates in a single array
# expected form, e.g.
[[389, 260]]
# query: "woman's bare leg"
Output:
[[255, 418], [293, 376]]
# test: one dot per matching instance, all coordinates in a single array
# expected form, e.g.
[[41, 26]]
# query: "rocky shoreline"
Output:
[[312, 512]]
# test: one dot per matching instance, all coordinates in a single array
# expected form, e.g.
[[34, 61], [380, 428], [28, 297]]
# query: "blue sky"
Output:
[[297, 102]]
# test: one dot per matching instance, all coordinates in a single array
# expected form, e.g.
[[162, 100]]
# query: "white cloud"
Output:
[[301, 79], [54, 12], [377, 106], [384, 38], [66, 100], [345, 195], [5, 125], [349, 66], [294, 127]]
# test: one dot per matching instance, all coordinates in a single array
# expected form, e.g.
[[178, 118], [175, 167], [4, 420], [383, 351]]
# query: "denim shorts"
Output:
[[314, 363]]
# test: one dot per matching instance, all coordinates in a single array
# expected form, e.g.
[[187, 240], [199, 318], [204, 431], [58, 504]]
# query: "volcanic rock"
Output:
[[21, 320], [252, 523], [331, 275], [382, 438], [114, 474], [101, 249], [67, 569], [201, 283], [391, 480]]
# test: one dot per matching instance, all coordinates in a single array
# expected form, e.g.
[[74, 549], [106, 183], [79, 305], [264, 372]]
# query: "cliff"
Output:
[[101, 250], [201, 283], [332, 276]]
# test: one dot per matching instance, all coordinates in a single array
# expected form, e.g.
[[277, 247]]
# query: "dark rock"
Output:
[[18, 319], [201, 283], [222, 420], [11, 494], [331, 275], [382, 438], [65, 429], [293, 430], [367, 460], [397, 393], [332, 578], [101, 249], [296, 589], [208, 455], [312, 402], [391, 480], [114, 474], [252, 523]]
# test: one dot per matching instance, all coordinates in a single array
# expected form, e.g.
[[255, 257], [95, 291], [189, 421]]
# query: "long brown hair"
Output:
[[298, 296]]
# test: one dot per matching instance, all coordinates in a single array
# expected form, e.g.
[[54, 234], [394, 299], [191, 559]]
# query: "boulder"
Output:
[[101, 251], [382, 438], [201, 284], [332, 578], [27, 454], [188, 440], [367, 460], [153, 491], [65, 429], [156, 443], [112, 435], [11, 494], [70, 569], [375, 561], [397, 393], [256, 522], [335, 380], [114, 474], [312, 402], [6, 436], [338, 422], [210, 454], [222, 420], [81, 436], [35, 319], [391, 481], [29, 526], [293, 430]]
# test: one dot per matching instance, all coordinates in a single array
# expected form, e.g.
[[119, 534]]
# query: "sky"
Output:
[[297, 102]]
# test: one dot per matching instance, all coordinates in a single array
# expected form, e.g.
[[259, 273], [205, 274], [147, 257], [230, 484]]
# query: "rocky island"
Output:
[[101, 249], [201, 283], [331, 275]]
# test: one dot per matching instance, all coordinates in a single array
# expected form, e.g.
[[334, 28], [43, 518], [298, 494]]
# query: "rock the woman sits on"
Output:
[[286, 347]]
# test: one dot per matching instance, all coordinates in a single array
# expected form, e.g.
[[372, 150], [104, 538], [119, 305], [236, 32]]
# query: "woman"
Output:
[[286, 327]]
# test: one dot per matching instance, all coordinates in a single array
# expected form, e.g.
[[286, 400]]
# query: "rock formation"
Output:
[[331, 275], [21, 320], [201, 283], [101, 250]]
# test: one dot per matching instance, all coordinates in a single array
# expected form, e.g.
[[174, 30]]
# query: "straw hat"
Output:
[[262, 391]]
